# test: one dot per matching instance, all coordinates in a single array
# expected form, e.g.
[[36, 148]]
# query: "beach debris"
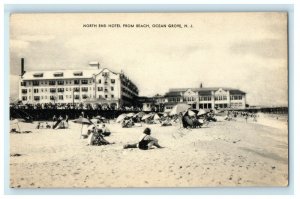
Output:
[[15, 155], [273, 167]]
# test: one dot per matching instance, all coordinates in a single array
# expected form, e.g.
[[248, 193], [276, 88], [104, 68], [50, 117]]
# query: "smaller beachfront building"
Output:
[[200, 98]]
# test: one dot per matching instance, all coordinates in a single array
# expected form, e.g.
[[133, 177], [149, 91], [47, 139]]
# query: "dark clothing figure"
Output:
[[145, 143]]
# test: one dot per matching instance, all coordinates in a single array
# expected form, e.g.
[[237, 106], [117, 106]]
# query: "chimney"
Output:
[[94, 63], [22, 67], [201, 85]]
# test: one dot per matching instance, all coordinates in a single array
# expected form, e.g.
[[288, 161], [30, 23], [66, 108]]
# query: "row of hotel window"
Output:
[[61, 97], [77, 89], [206, 98], [63, 82]]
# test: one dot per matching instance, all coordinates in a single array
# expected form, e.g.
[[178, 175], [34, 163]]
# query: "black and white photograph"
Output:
[[109, 100]]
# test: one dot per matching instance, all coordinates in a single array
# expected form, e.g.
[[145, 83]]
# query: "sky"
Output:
[[247, 51]]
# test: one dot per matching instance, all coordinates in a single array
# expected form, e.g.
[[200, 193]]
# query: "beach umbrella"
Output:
[[98, 117], [82, 120], [156, 117], [179, 108], [167, 111], [130, 115], [201, 112], [147, 116], [95, 121], [190, 113], [140, 114], [121, 117], [16, 121]]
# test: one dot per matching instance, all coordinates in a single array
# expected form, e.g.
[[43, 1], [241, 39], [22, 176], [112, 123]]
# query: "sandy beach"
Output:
[[223, 153]]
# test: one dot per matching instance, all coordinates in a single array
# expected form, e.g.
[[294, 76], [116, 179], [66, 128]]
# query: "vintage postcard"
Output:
[[148, 100]]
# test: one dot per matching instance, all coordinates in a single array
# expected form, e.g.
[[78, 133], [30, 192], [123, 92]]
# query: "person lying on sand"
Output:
[[145, 143]]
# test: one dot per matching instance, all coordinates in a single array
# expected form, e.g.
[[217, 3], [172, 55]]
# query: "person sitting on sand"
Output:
[[96, 138], [48, 126], [146, 142], [105, 130]]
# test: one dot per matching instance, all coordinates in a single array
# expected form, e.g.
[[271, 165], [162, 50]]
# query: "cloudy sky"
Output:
[[247, 51]]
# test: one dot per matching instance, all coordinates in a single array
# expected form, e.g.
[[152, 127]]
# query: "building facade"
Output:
[[200, 98], [95, 86], [206, 98]]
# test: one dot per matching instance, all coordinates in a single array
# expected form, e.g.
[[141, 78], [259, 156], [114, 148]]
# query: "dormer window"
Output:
[[58, 74], [78, 73], [38, 75]]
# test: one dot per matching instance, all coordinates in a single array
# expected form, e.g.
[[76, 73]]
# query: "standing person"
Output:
[[54, 120], [146, 142], [67, 121]]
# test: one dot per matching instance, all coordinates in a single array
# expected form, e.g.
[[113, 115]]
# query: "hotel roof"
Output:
[[173, 92], [61, 74]]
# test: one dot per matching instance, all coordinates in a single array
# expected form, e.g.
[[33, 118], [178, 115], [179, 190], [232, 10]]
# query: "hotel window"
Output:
[[67, 89], [29, 90], [29, 97], [84, 96], [84, 81], [51, 82], [105, 96], [112, 88], [45, 96], [42, 90], [77, 73], [84, 89], [76, 89], [24, 98], [35, 90], [23, 83], [58, 74], [35, 83], [60, 82], [100, 96], [24, 91], [99, 81], [60, 90], [41, 97], [61, 97], [45, 89], [112, 81], [76, 81], [38, 75], [52, 90], [100, 88], [112, 96], [52, 97], [36, 98], [77, 97], [205, 98]]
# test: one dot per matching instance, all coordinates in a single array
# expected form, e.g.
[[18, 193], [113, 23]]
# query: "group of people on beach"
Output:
[[96, 137]]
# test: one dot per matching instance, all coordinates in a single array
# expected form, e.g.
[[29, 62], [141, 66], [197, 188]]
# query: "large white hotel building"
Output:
[[100, 85]]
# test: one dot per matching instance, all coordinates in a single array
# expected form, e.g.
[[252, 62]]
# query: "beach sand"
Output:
[[223, 153]]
